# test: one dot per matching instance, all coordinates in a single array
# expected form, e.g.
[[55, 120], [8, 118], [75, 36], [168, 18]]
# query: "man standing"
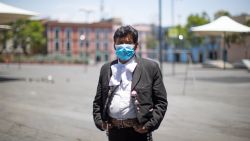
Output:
[[131, 99]]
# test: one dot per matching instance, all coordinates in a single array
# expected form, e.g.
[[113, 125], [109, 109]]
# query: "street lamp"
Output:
[[160, 36], [173, 12], [82, 39], [180, 37], [102, 10]]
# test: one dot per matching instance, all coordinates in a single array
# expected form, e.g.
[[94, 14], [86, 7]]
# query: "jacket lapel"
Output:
[[136, 74]]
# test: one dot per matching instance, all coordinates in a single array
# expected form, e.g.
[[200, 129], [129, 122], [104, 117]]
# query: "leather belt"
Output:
[[127, 123]]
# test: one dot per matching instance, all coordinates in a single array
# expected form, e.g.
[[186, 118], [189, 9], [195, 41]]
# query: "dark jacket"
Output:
[[151, 94]]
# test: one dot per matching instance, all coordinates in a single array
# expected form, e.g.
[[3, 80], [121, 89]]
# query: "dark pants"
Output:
[[128, 134]]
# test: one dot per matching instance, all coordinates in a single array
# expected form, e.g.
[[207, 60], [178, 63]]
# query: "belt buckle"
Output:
[[120, 124]]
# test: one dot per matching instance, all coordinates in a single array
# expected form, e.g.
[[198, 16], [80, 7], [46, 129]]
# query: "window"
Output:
[[106, 46], [57, 33], [97, 34], [57, 39], [68, 34], [57, 46], [97, 46], [87, 43], [87, 38], [106, 34], [68, 46]]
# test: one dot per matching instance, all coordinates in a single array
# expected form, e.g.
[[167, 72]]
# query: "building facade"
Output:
[[93, 41], [144, 31]]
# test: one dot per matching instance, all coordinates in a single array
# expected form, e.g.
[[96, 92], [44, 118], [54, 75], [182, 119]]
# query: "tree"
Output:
[[35, 31], [178, 30], [29, 33], [195, 20], [221, 13], [4, 36], [247, 22], [151, 42], [189, 39]]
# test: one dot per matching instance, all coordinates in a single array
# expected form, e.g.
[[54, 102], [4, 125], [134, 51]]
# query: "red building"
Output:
[[93, 40]]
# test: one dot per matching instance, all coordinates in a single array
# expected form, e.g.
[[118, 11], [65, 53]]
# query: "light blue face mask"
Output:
[[124, 51]]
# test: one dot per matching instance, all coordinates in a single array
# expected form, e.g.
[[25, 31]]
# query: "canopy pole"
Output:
[[224, 53]]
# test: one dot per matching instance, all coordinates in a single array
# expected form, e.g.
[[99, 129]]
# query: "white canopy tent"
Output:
[[221, 26], [10, 13]]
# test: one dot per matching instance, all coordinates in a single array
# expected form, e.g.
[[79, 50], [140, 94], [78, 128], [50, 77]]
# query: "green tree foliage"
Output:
[[195, 20], [221, 13], [151, 42], [190, 40], [248, 23], [4, 36], [175, 41], [29, 33]]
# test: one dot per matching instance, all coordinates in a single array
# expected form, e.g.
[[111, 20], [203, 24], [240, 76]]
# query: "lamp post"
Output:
[[160, 36], [172, 12], [82, 39], [102, 10]]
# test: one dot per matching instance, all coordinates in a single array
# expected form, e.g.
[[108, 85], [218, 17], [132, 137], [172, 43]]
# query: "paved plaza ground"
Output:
[[54, 103]]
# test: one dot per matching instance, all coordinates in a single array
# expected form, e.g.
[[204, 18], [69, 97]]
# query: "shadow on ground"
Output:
[[10, 79]]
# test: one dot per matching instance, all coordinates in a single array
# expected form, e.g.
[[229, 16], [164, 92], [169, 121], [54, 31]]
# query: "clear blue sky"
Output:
[[131, 11]]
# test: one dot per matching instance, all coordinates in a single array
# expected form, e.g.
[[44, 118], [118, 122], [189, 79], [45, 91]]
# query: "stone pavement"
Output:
[[54, 103]]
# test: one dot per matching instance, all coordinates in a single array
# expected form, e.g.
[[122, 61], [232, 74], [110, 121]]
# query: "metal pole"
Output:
[[102, 10], [173, 22], [172, 12], [224, 51], [173, 63], [160, 37]]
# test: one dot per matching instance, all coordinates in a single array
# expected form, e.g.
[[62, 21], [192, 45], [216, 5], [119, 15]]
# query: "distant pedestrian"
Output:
[[131, 99]]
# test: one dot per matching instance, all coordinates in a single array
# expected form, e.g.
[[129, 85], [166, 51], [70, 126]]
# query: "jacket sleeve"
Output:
[[159, 97], [98, 104]]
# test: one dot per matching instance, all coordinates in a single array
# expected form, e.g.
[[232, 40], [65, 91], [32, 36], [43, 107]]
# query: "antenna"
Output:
[[102, 10]]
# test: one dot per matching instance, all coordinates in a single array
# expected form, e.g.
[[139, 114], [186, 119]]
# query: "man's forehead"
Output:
[[125, 38]]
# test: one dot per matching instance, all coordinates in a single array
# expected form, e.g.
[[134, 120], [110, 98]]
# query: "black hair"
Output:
[[123, 31]]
